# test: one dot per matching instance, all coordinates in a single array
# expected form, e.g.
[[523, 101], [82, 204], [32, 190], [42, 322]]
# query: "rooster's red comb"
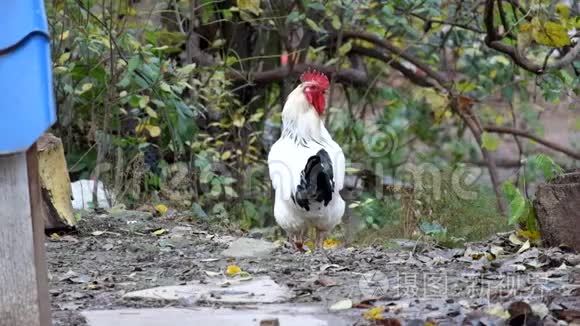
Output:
[[315, 76]]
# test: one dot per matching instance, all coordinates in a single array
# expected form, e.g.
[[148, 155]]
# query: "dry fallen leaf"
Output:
[[496, 250], [498, 311], [159, 232], [341, 305], [161, 209], [515, 240], [233, 270], [97, 233], [330, 244], [245, 276], [326, 282], [55, 237], [375, 313], [524, 247]]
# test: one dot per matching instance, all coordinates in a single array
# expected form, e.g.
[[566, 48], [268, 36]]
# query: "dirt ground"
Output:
[[411, 282]]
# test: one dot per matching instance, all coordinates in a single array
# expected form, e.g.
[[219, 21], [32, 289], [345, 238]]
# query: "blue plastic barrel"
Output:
[[27, 106]]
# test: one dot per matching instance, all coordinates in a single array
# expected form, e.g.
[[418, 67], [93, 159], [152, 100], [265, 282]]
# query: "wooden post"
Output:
[[23, 275]]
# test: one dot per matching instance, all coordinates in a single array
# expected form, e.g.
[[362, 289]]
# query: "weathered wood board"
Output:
[[23, 283]]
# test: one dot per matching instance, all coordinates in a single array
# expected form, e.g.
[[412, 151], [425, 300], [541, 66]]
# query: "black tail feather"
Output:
[[316, 181]]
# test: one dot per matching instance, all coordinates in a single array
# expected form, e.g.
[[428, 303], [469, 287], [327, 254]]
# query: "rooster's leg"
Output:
[[320, 235], [297, 242]]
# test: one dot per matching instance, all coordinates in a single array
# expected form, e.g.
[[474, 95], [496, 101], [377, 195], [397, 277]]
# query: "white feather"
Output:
[[303, 136]]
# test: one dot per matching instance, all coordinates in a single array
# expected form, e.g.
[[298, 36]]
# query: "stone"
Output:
[[257, 290], [284, 314], [247, 248], [557, 205]]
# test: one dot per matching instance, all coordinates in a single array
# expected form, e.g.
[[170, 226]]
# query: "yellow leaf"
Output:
[[439, 103], [64, 58], [161, 209], [226, 155], [154, 131], [526, 27], [159, 232], [59, 70], [233, 270], [375, 313], [563, 10], [151, 112], [309, 244], [330, 243], [64, 35], [239, 121], [252, 6], [55, 237], [530, 235], [498, 311], [490, 141], [550, 33]]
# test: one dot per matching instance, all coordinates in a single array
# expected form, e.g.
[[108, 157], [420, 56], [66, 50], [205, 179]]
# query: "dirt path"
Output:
[[98, 267]]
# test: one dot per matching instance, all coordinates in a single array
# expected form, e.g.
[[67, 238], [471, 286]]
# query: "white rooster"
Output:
[[306, 165]]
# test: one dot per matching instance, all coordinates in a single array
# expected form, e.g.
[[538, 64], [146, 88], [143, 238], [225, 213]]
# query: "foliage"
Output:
[[521, 209], [178, 102]]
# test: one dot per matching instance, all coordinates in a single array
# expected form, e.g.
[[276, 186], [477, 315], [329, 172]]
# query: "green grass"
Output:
[[448, 219]]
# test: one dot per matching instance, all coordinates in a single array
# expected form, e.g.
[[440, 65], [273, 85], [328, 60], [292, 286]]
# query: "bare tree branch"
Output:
[[413, 76], [440, 78], [345, 76], [526, 134]]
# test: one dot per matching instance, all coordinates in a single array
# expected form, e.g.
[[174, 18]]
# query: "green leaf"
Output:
[[133, 63], [490, 141], [165, 87], [256, 116], [294, 17], [345, 48], [64, 58], [151, 112], [85, 88], [335, 22], [517, 203], [230, 191], [186, 70], [546, 164], [312, 25], [143, 101]]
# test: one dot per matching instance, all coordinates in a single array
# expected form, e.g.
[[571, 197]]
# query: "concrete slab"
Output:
[[257, 290], [287, 315], [246, 248]]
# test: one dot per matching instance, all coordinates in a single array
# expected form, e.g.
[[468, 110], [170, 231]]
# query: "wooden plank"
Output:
[[19, 299], [38, 218]]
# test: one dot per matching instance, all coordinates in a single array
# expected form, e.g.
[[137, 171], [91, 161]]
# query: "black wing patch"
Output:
[[316, 181]]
